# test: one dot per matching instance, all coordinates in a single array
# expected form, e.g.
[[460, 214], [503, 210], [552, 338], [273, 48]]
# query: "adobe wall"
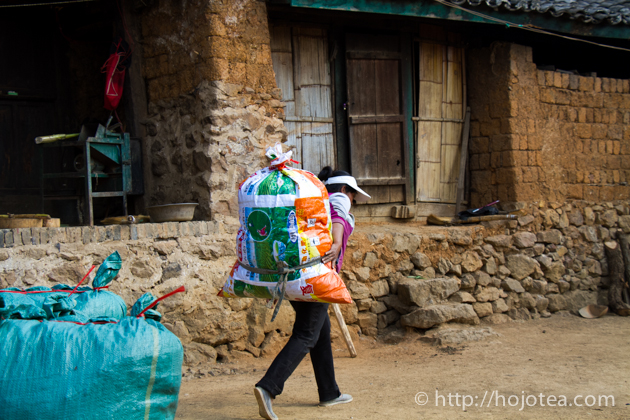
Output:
[[213, 103], [410, 276], [543, 135]]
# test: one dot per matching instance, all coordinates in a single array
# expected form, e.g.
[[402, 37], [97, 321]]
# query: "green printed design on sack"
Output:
[[276, 183], [243, 289], [259, 225], [271, 240]]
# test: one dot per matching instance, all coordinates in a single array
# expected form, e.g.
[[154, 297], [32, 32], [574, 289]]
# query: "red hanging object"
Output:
[[114, 69]]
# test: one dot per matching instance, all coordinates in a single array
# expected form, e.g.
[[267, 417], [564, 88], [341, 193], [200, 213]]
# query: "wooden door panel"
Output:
[[311, 55], [361, 87], [429, 144], [440, 110], [364, 151], [389, 149], [313, 101], [375, 116], [387, 87]]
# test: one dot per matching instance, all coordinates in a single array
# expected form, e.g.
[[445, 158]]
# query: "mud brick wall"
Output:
[[213, 103], [543, 135], [550, 259]]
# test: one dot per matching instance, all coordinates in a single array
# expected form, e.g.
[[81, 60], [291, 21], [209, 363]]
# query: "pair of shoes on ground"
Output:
[[264, 402]]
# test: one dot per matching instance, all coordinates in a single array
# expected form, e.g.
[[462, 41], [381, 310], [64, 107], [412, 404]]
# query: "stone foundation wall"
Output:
[[542, 134], [548, 260]]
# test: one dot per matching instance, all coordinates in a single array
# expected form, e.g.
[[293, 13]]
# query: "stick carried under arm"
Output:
[[344, 330]]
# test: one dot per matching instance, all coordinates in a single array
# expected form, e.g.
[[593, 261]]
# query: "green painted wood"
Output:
[[435, 10]]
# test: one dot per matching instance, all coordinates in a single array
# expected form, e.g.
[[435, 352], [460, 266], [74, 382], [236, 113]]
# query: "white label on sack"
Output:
[[315, 241], [311, 222]]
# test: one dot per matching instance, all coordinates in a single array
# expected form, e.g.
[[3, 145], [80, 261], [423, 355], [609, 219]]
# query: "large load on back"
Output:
[[285, 230]]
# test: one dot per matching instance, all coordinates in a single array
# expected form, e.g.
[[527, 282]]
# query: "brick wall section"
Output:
[[542, 135], [213, 103], [188, 42]]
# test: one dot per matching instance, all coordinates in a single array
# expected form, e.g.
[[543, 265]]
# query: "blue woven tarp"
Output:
[[62, 370], [88, 302]]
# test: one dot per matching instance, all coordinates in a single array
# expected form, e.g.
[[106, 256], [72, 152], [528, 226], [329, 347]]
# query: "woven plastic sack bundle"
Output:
[[90, 302], [285, 228], [103, 369]]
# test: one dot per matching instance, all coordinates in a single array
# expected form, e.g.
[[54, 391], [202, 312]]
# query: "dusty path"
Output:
[[562, 355]]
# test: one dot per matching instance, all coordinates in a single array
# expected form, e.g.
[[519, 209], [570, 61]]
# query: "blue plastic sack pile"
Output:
[[62, 303], [58, 362]]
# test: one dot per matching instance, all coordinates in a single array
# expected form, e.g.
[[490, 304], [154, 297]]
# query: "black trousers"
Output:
[[311, 333]]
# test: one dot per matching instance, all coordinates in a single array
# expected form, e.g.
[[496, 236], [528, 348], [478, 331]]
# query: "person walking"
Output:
[[311, 330]]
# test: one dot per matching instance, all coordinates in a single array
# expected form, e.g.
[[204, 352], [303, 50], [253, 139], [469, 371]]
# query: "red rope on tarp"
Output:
[[156, 301], [84, 277]]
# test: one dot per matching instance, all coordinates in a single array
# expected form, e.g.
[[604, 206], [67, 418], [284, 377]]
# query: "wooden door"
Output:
[[300, 61], [440, 121], [376, 123]]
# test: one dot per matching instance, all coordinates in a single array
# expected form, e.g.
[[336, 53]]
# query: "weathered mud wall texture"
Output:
[[213, 103], [545, 135], [549, 260]]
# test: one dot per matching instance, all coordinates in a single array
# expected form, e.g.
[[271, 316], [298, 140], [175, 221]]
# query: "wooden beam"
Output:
[[462, 162]]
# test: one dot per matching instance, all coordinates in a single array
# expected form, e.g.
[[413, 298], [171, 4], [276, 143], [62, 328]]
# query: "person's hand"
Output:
[[332, 254]]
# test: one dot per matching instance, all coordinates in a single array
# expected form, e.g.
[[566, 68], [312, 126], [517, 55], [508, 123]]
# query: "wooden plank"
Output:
[[430, 100], [431, 62], [454, 86], [283, 68], [344, 330], [389, 150], [449, 163], [313, 101], [407, 102], [361, 85], [387, 89], [294, 140], [381, 181], [377, 119], [310, 119], [452, 133], [363, 147], [455, 120], [397, 194], [280, 39], [462, 163], [373, 55], [312, 58], [449, 192], [429, 141], [428, 181]]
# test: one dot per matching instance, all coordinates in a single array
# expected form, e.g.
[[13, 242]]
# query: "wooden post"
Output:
[[616, 272], [344, 330], [462, 162], [625, 251]]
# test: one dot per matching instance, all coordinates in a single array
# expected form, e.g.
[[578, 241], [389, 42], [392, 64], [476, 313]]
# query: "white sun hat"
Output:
[[361, 196]]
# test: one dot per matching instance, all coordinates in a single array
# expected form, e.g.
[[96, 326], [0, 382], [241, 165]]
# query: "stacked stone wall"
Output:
[[545, 135], [550, 259]]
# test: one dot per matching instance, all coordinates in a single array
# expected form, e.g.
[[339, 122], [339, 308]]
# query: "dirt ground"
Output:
[[560, 356]]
